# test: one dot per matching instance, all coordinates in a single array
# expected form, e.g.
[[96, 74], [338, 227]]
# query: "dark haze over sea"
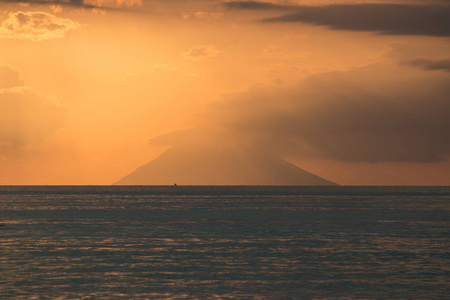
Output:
[[189, 242]]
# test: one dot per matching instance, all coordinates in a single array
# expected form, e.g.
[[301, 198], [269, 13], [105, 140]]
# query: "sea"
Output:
[[224, 242]]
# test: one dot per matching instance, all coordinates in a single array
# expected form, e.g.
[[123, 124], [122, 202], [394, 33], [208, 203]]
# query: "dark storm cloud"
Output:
[[431, 64], [389, 19], [372, 114]]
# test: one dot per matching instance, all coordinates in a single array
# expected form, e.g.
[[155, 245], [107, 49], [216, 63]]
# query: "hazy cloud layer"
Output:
[[371, 114], [35, 26], [9, 78], [25, 115], [431, 64], [402, 19]]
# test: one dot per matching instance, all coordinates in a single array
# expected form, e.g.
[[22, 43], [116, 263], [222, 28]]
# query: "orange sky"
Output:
[[357, 93]]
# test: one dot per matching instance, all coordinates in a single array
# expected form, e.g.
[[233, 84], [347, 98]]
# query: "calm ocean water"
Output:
[[224, 242]]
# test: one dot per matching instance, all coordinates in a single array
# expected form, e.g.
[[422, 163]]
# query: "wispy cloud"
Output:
[[74, 3], [113, 5], [198, 53]]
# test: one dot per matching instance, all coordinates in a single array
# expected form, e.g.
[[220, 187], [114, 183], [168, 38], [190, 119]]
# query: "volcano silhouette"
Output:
[[219, 166]]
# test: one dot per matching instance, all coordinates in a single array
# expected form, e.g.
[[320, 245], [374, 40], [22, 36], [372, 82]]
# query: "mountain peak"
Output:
[[219, 166]]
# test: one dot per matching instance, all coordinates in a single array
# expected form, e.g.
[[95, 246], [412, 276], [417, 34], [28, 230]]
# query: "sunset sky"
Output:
[[357, 92]]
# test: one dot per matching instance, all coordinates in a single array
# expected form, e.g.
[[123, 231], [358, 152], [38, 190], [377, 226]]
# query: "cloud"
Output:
[[431, 64], [382, 18], [371, 114], [95, 5], [254, 5], [9, 78], [198, 53], [35, 26], [26, 116]]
